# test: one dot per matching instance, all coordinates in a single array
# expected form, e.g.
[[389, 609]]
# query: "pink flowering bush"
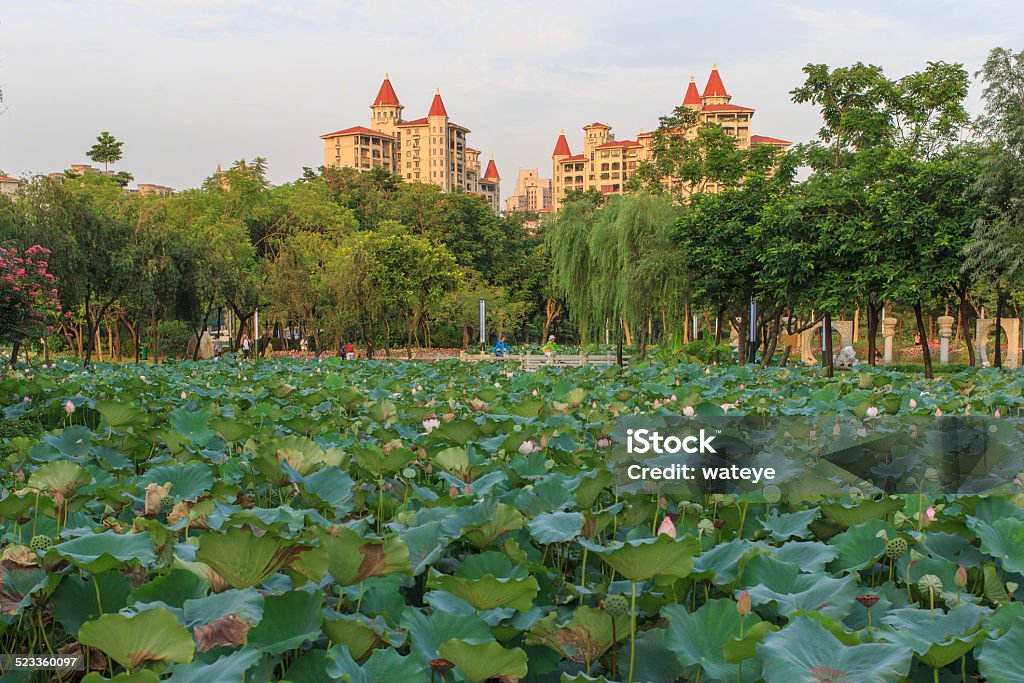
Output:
[[29, 304]]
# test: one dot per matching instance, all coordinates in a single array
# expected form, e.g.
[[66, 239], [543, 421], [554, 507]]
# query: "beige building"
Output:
[[150, 189], [9, 186], [606, 164], [431, 149], [532, 194]]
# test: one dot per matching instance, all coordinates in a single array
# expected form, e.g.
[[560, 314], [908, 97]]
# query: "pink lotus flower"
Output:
[[872, 411], [929, 514], [69, 407], [938, 412], [688, 411], [668, 528], [26, 399], [528, 446], [604, 442]]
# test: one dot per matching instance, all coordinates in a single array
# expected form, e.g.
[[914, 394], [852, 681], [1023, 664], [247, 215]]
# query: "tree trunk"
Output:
[[964, 324], [773, 342], [618, 345], [826, 331], [922, 330], [999, 329], [14, 353], [872, 332]]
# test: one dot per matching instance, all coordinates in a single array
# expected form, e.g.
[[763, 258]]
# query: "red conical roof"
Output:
[[562, 146], [492, 171], [386, 95], [692, 96], [715, 87], [437, 106]]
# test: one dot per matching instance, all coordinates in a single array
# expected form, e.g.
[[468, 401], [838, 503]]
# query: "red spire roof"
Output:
[[437, 106], [492, 171], [561, 146], [715, 87], [692, 96], [386, 95]]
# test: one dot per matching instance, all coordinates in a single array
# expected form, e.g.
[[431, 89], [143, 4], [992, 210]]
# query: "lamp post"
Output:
[[752, 331], [483, 321]]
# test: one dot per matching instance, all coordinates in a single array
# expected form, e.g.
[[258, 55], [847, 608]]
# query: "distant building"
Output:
[[532, 194], [606, 163], [9, 186], [149, 189], [431, 149]]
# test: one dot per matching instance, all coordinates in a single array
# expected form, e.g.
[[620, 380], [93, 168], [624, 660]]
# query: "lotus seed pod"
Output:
[[39, 544], [896, 548], [615, 605], [772, 494], [166, 503]]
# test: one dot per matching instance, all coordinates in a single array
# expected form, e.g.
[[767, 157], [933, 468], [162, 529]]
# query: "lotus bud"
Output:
[[912, 404], [469, 489], [938, 412], [996, 414], [183, 395], [960, 578], [743, 603], [836, 429], [604, 442], [667, 528], [707, 371], [26, 399], [69, 407], [862, 432], [688, 411], [453, 492]]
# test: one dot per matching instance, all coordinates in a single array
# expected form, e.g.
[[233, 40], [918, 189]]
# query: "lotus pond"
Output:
[[400, 522]]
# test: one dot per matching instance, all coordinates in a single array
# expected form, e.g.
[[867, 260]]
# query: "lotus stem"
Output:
[[583, 582], [632, 627]]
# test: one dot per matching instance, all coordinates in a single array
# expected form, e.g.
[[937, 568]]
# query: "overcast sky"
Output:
[[188, 84]]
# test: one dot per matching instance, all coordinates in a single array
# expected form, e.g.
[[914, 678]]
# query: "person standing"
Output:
[[350, 351], [246, 346], [550, 349]]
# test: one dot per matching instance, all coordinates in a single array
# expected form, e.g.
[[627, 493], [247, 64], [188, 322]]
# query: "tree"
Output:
[[29, 303], [106, 151], [995, 252]]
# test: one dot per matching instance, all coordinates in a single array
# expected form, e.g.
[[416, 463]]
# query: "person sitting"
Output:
[[501, 348], [350, 351]]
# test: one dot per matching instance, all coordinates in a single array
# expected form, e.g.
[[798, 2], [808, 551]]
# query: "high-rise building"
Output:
[[606, 164], [431, 149], [532, 194]]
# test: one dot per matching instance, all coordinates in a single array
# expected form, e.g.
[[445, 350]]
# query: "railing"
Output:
[[532, 361]]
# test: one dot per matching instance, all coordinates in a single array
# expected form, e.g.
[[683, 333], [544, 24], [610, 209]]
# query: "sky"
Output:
[[189, 84]]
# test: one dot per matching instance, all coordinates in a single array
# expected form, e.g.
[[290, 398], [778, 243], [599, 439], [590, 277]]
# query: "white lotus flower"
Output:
[[430, 424]]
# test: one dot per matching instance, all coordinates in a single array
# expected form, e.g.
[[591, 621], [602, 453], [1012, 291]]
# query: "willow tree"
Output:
[[617, 263]]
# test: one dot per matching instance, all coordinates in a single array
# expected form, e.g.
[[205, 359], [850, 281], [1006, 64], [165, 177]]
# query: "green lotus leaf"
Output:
[[939, 638], [745, 647], [245, 604], [851, 515], [785, 586], [71, 442], [302, 454], [1004, 540], [555, 527], [150, 636], [119, 415], [141, 676], [699, 638], [503, 519], [488, 592], [244, 559], [783, 526], [289, 620], [385, 665], [583, 638], [60, 477], [999, 659], [188, 481], [428, 632], [17, 585], [224, 669], [453, 459], [97, 553], [643, 559], [859, 546], [725, 561], [480, 661], [232, 430], [805, 651], [352, 558], [193, 425], [80, 599]]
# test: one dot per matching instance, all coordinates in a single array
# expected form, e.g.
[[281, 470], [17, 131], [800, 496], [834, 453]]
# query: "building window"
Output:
[[604, 167]]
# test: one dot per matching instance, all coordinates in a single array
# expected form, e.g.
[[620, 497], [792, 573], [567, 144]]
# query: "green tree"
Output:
[[106, 151]]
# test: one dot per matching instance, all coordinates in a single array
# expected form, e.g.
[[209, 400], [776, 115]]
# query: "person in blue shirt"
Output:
[[501, 348]]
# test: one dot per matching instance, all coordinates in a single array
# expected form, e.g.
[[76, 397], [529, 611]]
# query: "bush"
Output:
[[174, 336]]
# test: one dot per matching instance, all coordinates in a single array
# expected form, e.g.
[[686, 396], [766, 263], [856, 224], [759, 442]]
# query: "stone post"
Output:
[[888, 331], [945, 332]]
